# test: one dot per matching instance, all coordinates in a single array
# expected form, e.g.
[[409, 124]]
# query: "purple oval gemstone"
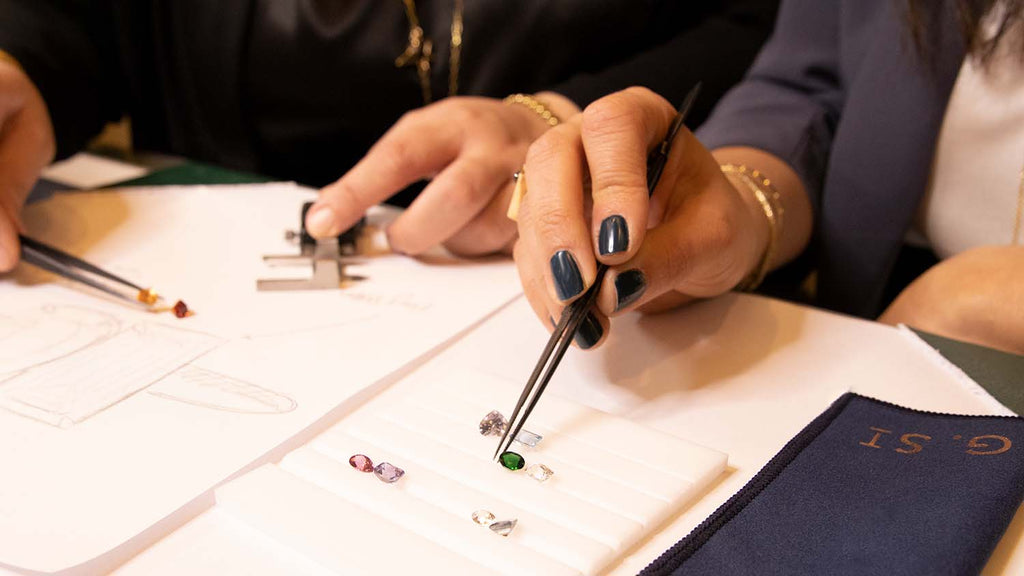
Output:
[[388, 472]]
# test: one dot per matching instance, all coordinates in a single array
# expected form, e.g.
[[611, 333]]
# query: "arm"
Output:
[[790, 101]]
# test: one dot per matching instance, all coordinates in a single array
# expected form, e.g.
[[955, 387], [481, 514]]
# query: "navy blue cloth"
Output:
[[841, 95], [867, 488]]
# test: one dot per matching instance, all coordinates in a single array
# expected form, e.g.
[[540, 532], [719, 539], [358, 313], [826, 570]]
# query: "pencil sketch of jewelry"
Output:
[[64, 364], [209, 389], [34, 337]]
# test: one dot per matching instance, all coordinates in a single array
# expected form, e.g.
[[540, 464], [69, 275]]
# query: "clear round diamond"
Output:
[[539, 472], [388, 472], [483, 517], [503, 527], [493, 424]]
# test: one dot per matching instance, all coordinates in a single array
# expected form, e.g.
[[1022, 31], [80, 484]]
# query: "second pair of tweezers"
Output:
[[573, 314]]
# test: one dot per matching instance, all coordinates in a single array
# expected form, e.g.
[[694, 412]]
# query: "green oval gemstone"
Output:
[[511, 460]]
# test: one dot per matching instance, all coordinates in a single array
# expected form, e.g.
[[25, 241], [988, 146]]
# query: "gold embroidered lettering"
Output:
[[874, 440], [914, 446], [977, 442]]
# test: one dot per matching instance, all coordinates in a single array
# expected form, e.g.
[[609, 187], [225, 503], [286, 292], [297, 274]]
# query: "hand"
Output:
[[976, 296], [470, 147], [27, 144], [698, 236]]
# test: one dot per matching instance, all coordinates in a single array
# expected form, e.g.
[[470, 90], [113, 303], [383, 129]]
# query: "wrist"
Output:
[[764, 210]]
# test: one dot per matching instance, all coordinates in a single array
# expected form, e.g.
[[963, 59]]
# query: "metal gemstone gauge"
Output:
[[511, 460], [388, 472], [503, 527], [361, 462], [483, 517], [539, 472], [493, 424]]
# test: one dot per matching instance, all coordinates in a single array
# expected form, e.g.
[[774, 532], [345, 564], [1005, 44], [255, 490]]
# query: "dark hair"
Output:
[[924, 15]]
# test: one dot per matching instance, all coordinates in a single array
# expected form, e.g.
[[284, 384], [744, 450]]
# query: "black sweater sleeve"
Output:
[[68, 49], [714, 44]]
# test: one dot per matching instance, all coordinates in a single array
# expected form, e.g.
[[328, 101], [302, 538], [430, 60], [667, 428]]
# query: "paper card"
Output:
[[117, 414]]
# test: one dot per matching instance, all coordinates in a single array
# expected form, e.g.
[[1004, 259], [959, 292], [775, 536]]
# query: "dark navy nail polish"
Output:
[[589, 333], [614, 235], [629, 287], [568, 281]]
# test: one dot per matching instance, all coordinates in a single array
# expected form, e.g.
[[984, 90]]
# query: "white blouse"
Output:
[[975, 194]]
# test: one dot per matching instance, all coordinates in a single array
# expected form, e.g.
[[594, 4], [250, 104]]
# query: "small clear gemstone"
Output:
[[539, 472], [483, 517], [494, 424], [511, 460], [504, 527], [361, 462], [388, 472], [527, 438]]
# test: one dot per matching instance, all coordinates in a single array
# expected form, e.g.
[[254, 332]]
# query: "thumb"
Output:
[[27, 145]]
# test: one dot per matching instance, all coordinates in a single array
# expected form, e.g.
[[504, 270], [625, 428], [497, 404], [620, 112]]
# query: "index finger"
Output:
[[618, 133], [417, 147]]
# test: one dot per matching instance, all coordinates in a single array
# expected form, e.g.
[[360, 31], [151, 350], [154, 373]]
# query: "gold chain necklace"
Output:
[[420, 50]]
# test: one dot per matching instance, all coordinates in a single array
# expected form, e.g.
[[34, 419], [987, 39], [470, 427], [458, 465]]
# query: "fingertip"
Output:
[[322, 221], [630, 286], [613, 237], [591, 332]]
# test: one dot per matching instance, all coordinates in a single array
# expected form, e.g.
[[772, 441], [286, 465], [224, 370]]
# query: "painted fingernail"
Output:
[[629, 287], [614, 235], [320, 221], [589, 333], [568, 281]]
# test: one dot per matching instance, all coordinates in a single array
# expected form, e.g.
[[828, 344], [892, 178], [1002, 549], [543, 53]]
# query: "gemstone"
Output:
[[527, 438], [503, 527], [511, 460], [494, 424], [483, 517], [361, 462], [180, 309], [147, 296], [388, 472], [539, 472]]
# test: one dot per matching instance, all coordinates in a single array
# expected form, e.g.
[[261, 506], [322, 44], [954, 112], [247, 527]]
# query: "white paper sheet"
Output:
[[115, 419]]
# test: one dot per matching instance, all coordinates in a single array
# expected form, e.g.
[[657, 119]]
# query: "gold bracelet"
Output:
[[769, 199], [533, 104], [5, 57]]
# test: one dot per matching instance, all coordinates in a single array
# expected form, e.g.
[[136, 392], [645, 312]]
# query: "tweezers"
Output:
[[573, 314], [63, 264]]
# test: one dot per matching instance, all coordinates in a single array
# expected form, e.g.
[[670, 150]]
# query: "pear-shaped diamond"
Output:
[[504, 527]]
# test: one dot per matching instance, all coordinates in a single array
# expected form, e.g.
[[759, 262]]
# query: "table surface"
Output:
[[727, 381]]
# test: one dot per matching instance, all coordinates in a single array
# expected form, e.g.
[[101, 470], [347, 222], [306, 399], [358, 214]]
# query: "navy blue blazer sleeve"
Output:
[[715, 47], [790, 100]]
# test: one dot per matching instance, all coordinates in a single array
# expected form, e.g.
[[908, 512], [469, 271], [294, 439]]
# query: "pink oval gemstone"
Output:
[[361, 463]]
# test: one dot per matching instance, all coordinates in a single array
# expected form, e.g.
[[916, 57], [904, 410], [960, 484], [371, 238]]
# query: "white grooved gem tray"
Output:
[[614, 482]]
